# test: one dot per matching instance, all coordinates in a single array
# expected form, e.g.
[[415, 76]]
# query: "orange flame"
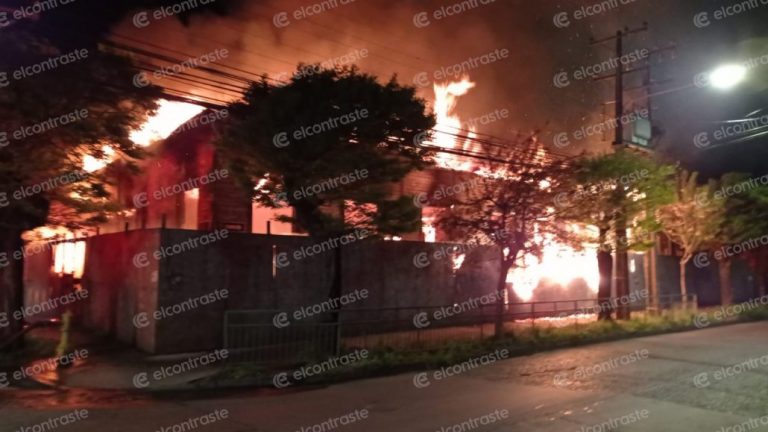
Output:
[[169, 116], [560, 263], [448, 132]]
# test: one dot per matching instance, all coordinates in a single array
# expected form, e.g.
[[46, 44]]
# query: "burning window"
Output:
[[429, 224], [191, 207], [69, 258]]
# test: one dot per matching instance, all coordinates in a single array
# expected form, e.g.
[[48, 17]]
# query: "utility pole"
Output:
[[619, 88], [618, 77], [621, 261], [621, 273]]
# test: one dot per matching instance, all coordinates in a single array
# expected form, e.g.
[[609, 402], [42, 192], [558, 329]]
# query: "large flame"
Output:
[[169, 116], [69, 256], [68, 253], [448, 132], [560, 263]]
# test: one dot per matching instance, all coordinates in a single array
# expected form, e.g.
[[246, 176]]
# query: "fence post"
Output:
[[576, 312], [338, 336], [225, 339]]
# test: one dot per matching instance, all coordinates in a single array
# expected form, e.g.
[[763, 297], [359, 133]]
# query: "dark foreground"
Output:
[[706, 380]]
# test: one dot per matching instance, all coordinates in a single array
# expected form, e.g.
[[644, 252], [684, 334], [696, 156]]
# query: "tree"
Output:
[[620, 186], [290, 146], [693, 221], [329, 124], [511, 207], [744, 221], [50, 121]]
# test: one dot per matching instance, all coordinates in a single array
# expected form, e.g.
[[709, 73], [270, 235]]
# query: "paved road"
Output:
[[707, 380]]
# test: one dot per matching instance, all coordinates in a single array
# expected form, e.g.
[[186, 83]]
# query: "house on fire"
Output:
[[184, 185], [144, 265], [142, 261]]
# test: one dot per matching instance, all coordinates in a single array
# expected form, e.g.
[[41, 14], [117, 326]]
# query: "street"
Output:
[[707, 380]]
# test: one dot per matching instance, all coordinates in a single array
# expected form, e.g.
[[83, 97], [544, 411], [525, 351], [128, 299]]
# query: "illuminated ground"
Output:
[[540, 392]]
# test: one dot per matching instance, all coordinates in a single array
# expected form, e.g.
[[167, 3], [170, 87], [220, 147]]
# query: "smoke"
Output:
[[510, 48]]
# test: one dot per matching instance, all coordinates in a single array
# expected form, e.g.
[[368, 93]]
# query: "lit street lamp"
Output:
[[727, 76]]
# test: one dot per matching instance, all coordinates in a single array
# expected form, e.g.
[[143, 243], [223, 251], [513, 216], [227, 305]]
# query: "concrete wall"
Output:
[[388, 271], [121, 278], [243, 264], [40, 283], [276, 273]]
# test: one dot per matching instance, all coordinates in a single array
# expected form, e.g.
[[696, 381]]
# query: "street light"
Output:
[[727, 76]]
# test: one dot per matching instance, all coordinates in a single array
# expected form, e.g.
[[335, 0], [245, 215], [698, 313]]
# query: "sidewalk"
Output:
[[104, 365]]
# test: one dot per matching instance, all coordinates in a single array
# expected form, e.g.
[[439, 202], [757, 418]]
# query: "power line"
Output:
[[220, 43], [484, 157], [505, 145], [187, 78], [221, 64], [196, 99], [248, 81], [209, 104], [209, 68]]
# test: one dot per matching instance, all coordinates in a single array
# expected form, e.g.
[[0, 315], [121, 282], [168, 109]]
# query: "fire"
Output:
[[68, 253], [69, 256], [449, 125], [428, 224], [169, 116], [91, 164], [560, 264]]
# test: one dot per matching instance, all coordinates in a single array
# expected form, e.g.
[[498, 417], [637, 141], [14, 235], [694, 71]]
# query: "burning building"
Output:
[[185, 186], [185, 192]]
